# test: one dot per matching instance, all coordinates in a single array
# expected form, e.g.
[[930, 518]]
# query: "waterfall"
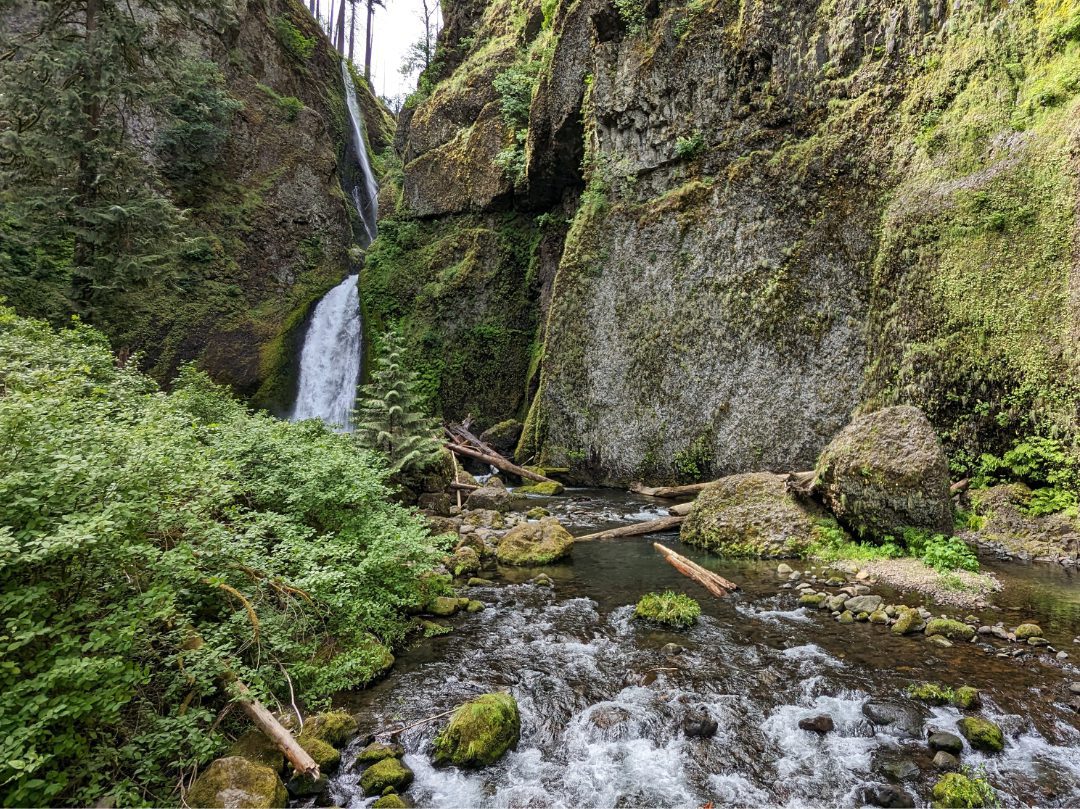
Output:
[[366, 194], [332, 348]]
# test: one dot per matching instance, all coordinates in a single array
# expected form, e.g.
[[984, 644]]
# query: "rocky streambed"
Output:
[[764, 701]]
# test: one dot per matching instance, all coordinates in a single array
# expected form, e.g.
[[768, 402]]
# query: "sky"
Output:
[[395, 28]]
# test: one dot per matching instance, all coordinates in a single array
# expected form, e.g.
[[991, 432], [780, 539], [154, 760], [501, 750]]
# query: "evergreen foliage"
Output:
[[150, 543], [390, 417]]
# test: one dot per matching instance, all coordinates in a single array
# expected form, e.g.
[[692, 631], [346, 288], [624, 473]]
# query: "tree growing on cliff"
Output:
[[390, 417]]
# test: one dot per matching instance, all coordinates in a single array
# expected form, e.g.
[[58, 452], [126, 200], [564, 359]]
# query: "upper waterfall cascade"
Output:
[[333, 344]]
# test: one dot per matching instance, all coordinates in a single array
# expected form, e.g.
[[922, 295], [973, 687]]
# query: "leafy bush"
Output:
[[942, 553], [673, 609], [832, 543], [152, 544], [964, 790], [515, 88], [632, 13], [1047, 465], [939, 551], [691, 147], [293, 39]]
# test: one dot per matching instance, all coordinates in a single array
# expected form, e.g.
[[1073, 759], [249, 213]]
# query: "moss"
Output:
[[479, 732], [982, 734], [387, 772], [669, 608], [237, 782], [442, 606], [538, 543], [1025, 631], [377, 751], [963, 791], [335, 728], [933, 693], [954, 630], [548, 489], [256, 746], [324, 753], [391, 801], [966, 697]]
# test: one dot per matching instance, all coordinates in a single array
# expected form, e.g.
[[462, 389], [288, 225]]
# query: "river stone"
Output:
[[940, 640], [391, 801], [479, 732], [258, 747], [465, 561], [235, 782], [887, 796], [387, 772], [751, 515], [701, 727], [434, 504], [949, 742], [302, 785], [1074, 688], [879, 617], [945, 761], [846, 617], [325, 754], [1025, 631], [783, 569], [535, 543], [537, 513], [906, 721], [670, 649], [333, 727], [900, 769], [442, 606], [546, 488], [867, 604], [377, 751], [812, 599], [982, 734], [908, 622], [886, 471], [493, 496], [835, 602], [1038, 641], [476, 581], [954, 630], [821, 724]]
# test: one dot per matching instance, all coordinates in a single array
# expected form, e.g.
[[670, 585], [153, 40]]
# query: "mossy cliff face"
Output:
[[776, 215]]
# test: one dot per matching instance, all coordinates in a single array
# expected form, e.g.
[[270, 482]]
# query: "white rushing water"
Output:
[[332, 350], [330, 359], [366, 194]]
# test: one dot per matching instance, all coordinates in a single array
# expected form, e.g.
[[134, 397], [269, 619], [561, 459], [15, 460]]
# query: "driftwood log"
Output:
[[636, 530], [669, 492], [801, 483], [681, 510], [300, 759], [714, 583], [498, 461]]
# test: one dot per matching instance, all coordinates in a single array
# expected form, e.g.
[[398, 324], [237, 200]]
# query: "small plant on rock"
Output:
[[964, 790], [670, 608]]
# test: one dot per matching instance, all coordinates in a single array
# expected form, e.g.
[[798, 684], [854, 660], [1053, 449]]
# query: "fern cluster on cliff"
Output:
[[135, 523]]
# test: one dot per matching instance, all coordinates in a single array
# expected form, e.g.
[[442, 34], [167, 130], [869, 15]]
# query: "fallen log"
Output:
[[498, 461], [960, 486], [670, 492], [636, 530], [464, 487], [801, 483], [681, 510], [300, 759], [714, 583]]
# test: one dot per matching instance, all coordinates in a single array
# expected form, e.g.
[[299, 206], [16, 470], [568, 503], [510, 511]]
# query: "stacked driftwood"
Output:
[[461, 441]]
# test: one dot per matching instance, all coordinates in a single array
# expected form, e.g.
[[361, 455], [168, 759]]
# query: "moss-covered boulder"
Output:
[[333, 727], [908, 622], [967, 697], [442, 606], [479, 732], [387, 772], [537, 513], [982, 734], [503, 436], [325, 754], [955, 630], [235, 782], [751, 515], [669, 608], [1026, 631], [465, 560], [885, 471], [258, 747], [391, 801], [493, 496], [535, 543], [547, 489], [377, 751]]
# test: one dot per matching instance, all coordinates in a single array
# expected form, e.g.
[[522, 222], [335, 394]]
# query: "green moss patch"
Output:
[[479, 732], [669, 608]]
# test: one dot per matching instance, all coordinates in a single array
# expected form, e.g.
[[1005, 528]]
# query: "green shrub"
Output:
[[292, 39], [964, 790], [691, 147], [939, 551], [152, 543], [632, 13], [673, 609], [1047, 465], [289, 106]]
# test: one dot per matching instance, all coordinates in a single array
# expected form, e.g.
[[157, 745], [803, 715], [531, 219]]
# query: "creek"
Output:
[[603, 707]]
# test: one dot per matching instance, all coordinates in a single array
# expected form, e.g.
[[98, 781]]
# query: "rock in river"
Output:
[[479, 732], [887, 796], [949, 742], [982, 734], [387, 772], [535, 543], [237, 783], [865, 604], [817, 724]]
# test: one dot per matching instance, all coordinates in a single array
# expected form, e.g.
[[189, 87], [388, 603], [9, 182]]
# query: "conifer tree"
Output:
[[390, 417]]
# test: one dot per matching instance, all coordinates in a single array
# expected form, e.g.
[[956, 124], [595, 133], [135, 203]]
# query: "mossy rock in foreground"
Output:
[[258, 747], [479, 732], [957, 791], [237, 783], [954, 630], [325, 754], [671, 609], [982, 734], [334, 728], [387, 772], [535, 543], [549, 488]]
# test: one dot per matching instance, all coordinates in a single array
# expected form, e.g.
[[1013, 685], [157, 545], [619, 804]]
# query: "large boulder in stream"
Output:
[[493, 496], [237, 783], [751, 515], [886, 471], [535, 543], [480, 731]]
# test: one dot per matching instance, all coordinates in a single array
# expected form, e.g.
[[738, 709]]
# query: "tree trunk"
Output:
[[85, 189], [714, 583], [669, 492], [681, 510], [352, 29], [340, 36], [635, 530], [367, 44], [499, 462], [313, 10]]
